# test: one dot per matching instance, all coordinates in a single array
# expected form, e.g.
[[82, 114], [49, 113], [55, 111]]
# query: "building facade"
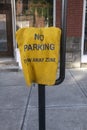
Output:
[[15, 14]]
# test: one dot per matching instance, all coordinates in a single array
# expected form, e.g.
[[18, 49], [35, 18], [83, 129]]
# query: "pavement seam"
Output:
[[26, 108], [60, 106], [13, 109], [6, 86], [82, 89]]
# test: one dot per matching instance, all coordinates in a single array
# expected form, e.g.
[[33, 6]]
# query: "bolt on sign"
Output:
[[39, 51]]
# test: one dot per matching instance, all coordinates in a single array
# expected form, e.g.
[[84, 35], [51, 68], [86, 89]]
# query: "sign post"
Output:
[[41, 103], [41, 88]]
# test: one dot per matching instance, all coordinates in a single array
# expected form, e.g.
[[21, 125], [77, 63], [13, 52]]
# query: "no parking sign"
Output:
[[39, 50]]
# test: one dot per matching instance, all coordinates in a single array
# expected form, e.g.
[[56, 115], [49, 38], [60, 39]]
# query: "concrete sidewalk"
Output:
[[66, 104]]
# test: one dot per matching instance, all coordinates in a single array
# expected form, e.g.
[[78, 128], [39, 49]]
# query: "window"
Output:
[[2, 1], [6, 35], [36, 13], [5, 1]]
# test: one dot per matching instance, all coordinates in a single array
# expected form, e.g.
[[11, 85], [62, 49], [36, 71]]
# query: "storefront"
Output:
[[15, 14]]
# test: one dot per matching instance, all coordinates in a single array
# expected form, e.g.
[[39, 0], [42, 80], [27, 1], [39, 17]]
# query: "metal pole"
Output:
[[63, 42], [41, 104], [63, 38]]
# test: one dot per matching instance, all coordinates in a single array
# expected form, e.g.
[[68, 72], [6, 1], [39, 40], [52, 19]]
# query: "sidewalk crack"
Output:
[[26, 108], [83, 90]]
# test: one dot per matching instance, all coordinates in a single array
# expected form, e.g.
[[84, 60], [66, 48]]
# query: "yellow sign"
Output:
[[39, 50]]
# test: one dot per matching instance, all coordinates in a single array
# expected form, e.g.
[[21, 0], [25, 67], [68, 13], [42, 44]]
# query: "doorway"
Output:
[[6, 35]]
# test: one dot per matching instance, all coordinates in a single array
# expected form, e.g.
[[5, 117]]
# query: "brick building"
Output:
[[15, 14]]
